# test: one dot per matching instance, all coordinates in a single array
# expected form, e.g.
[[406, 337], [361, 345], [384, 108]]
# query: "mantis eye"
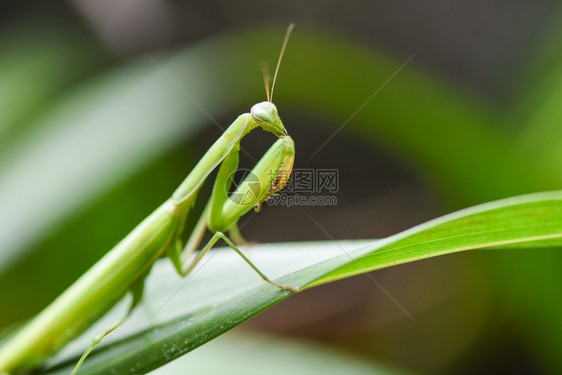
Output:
[[265, 117]]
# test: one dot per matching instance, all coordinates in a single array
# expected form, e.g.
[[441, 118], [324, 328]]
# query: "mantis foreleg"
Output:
[[214, 213]]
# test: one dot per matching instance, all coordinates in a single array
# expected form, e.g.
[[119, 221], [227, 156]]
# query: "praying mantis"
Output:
[[124, 268]]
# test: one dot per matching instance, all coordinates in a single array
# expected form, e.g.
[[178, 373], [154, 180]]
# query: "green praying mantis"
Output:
[[125, 267]]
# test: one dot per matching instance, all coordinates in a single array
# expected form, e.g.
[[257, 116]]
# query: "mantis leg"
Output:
[[237, 237], [184, 265], [219, 217], [136, 290], [97, 339], [189, 266]]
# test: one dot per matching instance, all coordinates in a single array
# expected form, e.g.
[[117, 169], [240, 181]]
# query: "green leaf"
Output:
[[37, 63], [178, 316], [533, 220]]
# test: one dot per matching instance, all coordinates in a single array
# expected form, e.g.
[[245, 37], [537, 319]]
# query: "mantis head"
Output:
[[265, 114]]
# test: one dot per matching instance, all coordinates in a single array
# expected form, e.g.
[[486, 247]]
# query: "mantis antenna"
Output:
[[287, 34], [265, 71]]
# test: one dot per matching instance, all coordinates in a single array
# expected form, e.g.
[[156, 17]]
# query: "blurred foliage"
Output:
[[89, 146], [253, 354]]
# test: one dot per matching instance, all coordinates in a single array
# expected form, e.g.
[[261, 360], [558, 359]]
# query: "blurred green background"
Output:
[[426, 107]]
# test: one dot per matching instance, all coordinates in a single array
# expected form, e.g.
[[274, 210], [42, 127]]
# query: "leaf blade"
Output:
[[525, 220]]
